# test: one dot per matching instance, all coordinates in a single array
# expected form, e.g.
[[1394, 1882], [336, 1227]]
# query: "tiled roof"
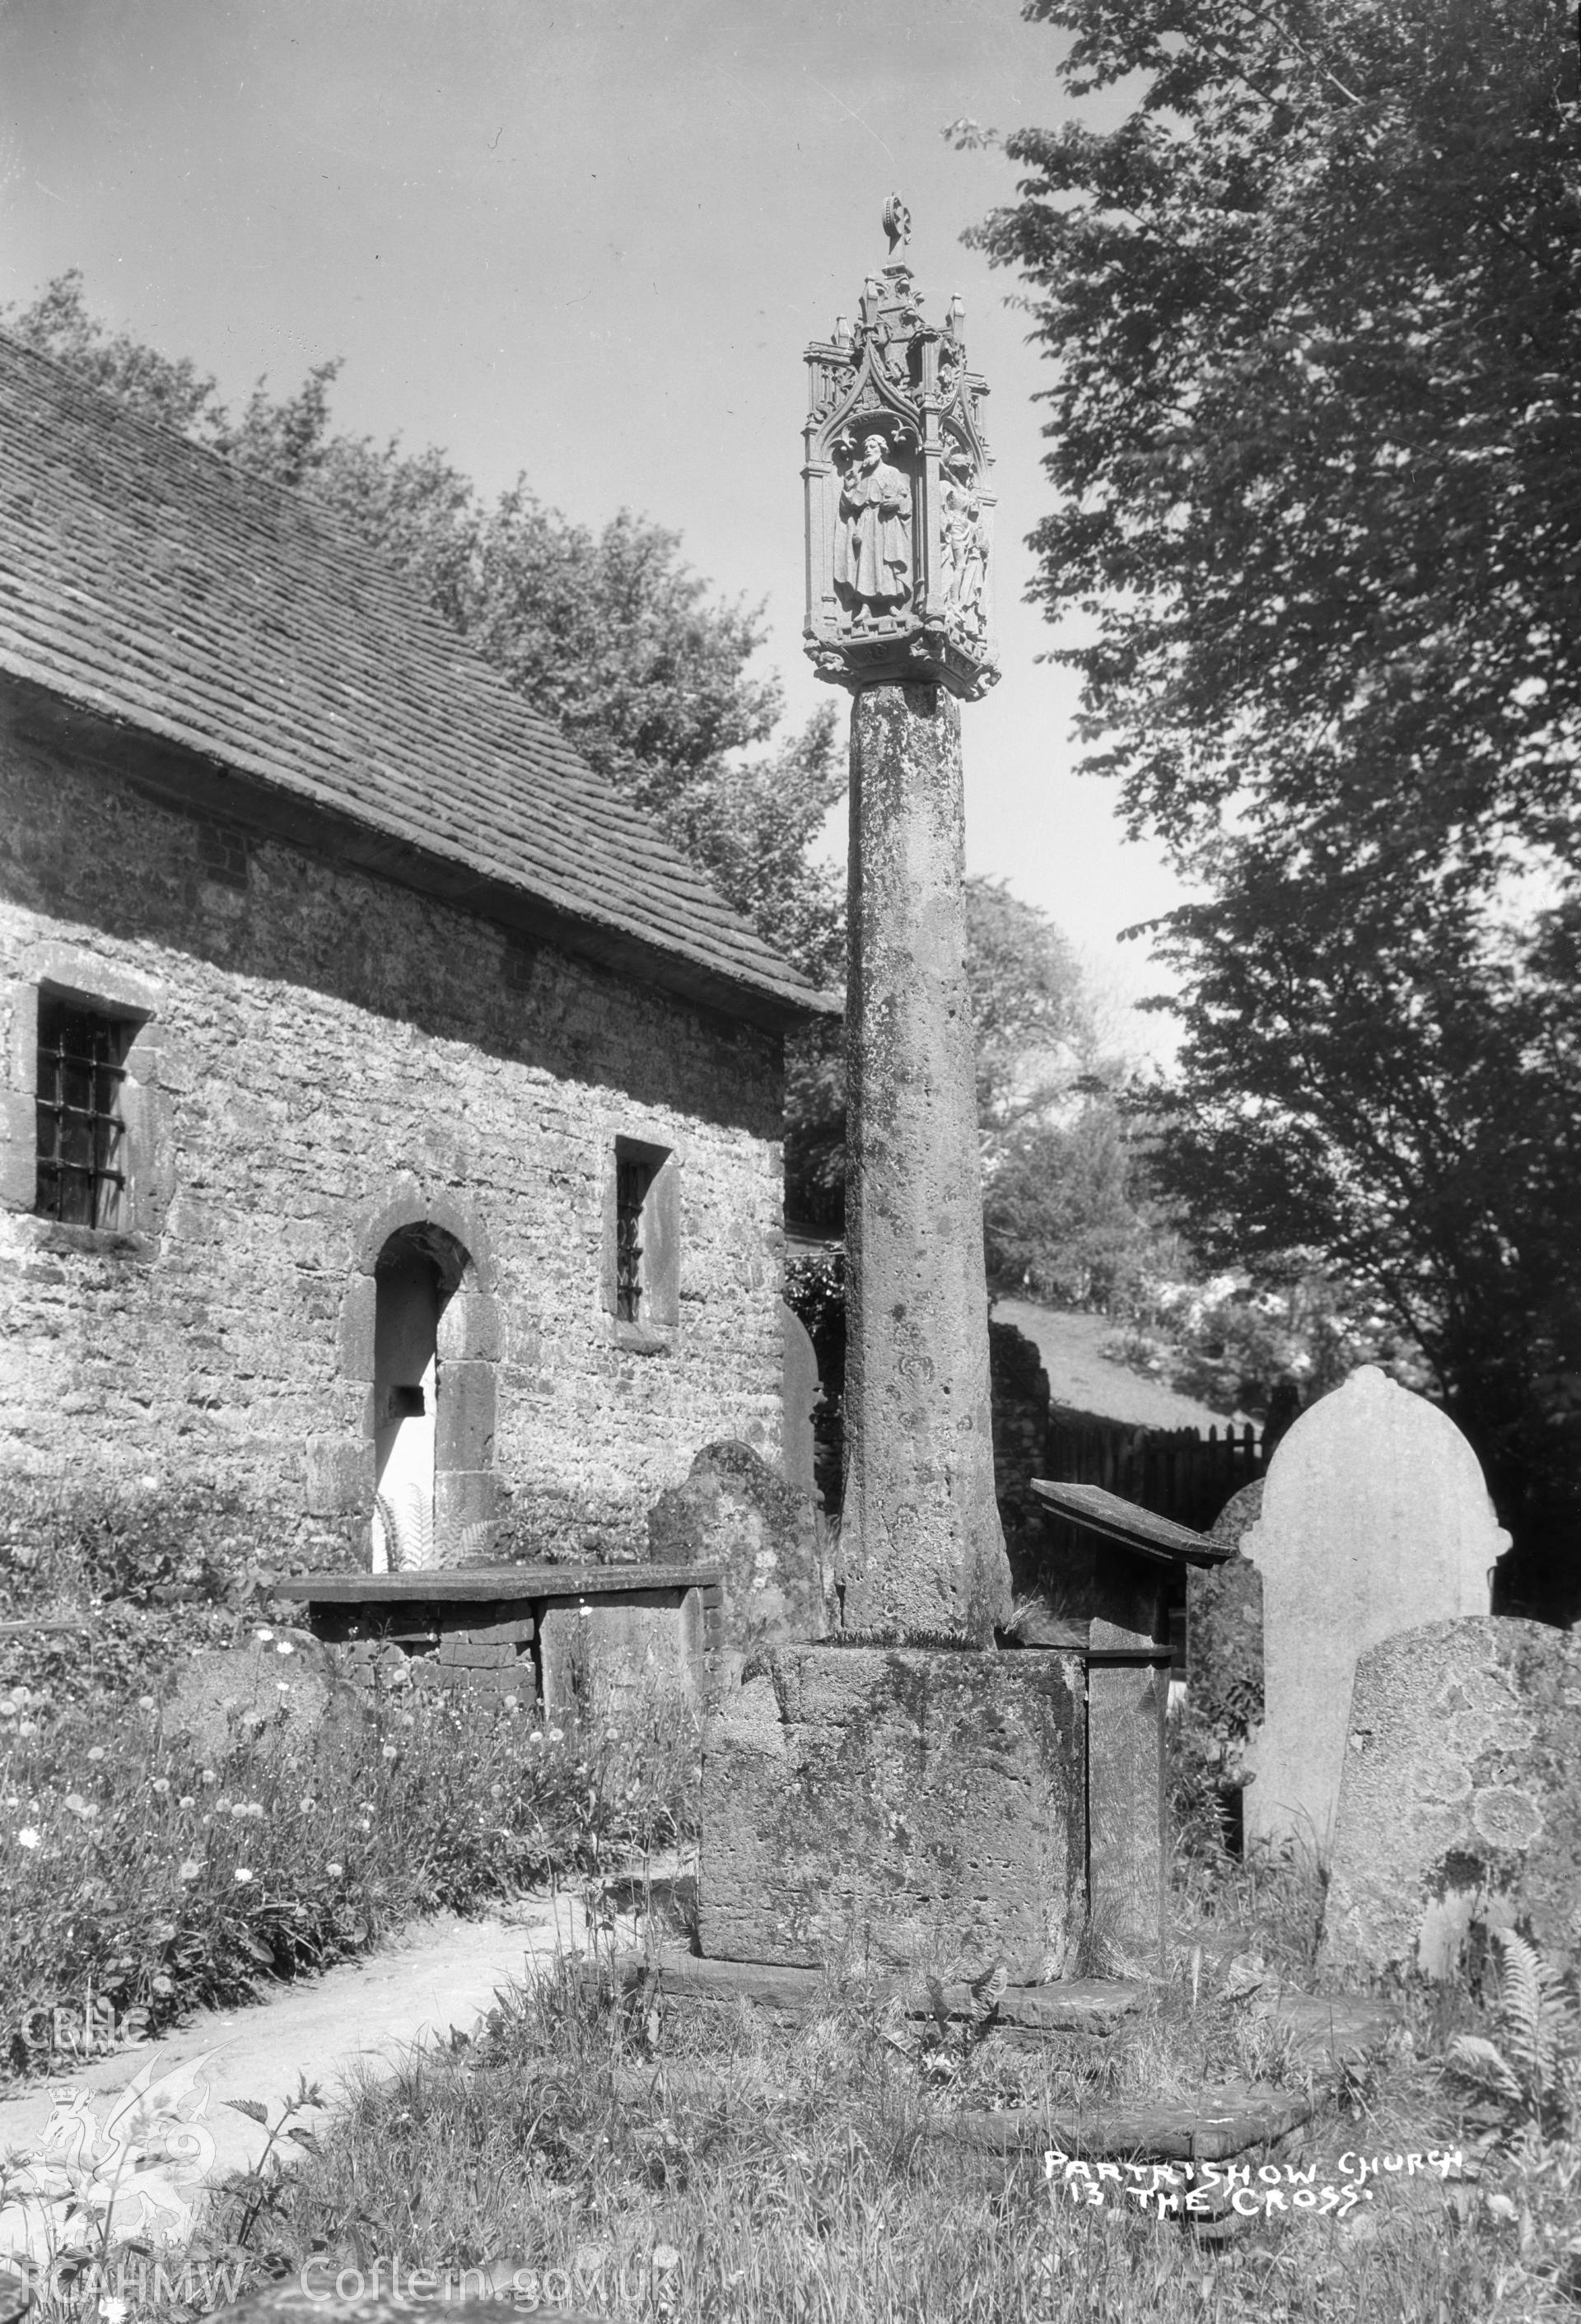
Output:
[[145, 580]]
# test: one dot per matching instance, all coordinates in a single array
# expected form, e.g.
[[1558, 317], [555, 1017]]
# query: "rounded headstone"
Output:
[[1375, 1519], [735, 1512]]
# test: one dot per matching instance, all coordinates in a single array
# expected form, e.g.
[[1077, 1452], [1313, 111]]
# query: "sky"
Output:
[[586, 241]]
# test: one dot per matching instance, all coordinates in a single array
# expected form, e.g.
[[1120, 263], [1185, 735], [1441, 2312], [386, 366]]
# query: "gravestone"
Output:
[[1375, 1518], [1224, 1623], [734, 1512], [277, 1690], [1461, 1796]]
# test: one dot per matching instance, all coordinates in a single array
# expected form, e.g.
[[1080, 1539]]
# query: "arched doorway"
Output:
[[417, 1274]]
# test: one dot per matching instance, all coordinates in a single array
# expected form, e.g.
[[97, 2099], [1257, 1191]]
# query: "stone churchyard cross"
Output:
[[897, 611], [904, 1793]]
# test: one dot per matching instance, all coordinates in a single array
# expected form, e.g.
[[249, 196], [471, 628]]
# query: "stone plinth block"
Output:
[[1461, 1799], [1375, 1518], [898, 1806], [922, 1548], [608, 1653]]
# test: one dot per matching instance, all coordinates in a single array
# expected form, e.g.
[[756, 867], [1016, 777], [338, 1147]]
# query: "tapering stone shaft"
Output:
[[921, 1546]]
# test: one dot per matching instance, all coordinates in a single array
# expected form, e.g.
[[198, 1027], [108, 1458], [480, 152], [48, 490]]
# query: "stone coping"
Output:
[[492, 1585], [1115, 1519]]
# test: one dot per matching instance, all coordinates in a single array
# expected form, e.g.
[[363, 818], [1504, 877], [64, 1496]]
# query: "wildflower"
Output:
[[190, 1870], [265, 1635], [186, 1801], [334, 1870], [208, 1777], [307, 1806], [80, 1806], [146, 1702], [7, 1706], [240, 1809], [284, 1647], [112, 2308], [665, 2257], [241, 1875], [556, 1734], [98, 1752], [27, 1837], [495, 1791], [537, 1737], [160, 1783], [611, 1734], [389, 1752]]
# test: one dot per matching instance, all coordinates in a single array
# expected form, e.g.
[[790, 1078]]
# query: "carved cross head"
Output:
[[898, 512]]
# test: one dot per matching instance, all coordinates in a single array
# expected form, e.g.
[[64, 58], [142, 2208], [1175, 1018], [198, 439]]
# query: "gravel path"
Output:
[[361, 2016]]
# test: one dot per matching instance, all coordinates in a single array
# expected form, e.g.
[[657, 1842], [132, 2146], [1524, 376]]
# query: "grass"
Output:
[[143, 1880], [136, 1875], [704, 2164], [603, 2149], [701, 2162]]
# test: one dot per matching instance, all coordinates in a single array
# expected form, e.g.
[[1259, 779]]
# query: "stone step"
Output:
[[1217, 2126], [1089, 2006]]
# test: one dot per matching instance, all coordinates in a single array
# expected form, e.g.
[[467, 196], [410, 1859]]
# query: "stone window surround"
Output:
[[74, 973], [654, 1332], [340, 1468]]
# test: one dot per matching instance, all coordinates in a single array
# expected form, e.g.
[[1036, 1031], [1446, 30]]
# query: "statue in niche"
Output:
[[963, 545], [872, 547]]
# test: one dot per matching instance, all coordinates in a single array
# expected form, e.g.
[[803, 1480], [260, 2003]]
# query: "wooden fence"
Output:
[[1174, 1472]]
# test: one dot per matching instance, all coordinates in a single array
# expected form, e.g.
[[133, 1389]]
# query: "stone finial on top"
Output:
[[899, 518]]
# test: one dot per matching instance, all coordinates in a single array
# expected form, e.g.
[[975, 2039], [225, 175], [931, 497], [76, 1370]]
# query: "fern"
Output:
[[409, 1527], [1538, 2019]]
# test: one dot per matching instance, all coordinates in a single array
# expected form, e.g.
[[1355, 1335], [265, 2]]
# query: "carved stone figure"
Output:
[[899, 506], [872, 547], [963, 548]]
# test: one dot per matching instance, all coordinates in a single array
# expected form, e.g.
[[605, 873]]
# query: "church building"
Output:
[[390, 1128]]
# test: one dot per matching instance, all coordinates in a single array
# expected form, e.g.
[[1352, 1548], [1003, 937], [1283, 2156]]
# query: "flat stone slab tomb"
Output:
[[539, 1632]]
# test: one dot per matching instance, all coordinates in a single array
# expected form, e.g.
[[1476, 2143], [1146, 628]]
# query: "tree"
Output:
[[1315, 310], [1379, 1074], [1061, 1219], [610, 634], [1044, 1082]]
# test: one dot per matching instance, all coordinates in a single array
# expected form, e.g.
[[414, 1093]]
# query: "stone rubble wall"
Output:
[[328, 1053]]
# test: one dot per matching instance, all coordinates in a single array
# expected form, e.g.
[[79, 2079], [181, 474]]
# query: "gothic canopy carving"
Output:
[[898, 515]]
